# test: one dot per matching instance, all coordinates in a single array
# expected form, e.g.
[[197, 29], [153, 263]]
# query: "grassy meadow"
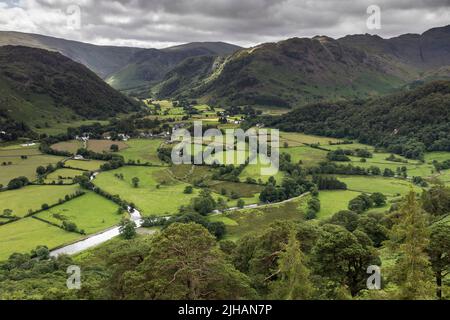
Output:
[[33, 197]]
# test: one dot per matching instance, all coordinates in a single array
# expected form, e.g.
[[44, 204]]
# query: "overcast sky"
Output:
[[162, 23]]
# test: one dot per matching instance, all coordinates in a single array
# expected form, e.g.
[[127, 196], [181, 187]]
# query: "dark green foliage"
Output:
[[407, 123], [127, 229], [34, 73], [436, 201], [343, 257], [361, 203], [329, 183], [18, 183]]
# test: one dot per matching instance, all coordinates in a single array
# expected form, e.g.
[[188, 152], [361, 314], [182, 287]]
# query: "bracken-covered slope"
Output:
[[298, 71], [407, 123], [38, 85]]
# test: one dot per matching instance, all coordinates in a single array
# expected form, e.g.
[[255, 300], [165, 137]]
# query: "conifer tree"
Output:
[[409, 238], [294, 282]]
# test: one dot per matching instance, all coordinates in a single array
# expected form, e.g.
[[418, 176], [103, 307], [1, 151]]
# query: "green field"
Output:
[[88, 165], [90, 212], [295, 139], [255, 171], [309, 156], [388, 186], [61, 127], [334, 201], [438, 156], [19, 150], [242, 222], [32, 197], [71, 146], [64, 175], [144, 150], [150, 199], [26, 234], [24, 167]]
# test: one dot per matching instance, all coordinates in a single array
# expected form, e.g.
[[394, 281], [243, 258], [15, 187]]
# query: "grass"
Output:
[[144, 150], [242, 222], [56, 127], [26, 234], [294, 139], [438, 156], [19, 150], [71, 146], [255, 171], [32, 197], [89, 165], [244, 190], [24, 167], [415, 168], [101, 146], [64, 175], [309, 156], [334, 201], [90, 212], [390, 187], [150, 199]]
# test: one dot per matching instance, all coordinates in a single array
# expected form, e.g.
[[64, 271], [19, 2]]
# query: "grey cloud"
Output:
[[245, 22]]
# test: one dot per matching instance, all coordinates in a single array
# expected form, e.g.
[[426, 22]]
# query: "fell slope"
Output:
[[38, 86], [300, 71]]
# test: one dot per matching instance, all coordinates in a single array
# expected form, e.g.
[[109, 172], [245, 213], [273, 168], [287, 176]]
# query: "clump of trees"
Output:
[[365, 202], [18, 183]]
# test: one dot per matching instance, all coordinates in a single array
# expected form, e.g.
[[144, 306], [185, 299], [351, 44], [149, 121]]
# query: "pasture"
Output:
[[71, 146], [158, 192], [23, 200], [90, 212], [101, 146], [86, 165], [64, 175], [26, 234], [334, 201], [307, 155], [143, 150], [14, 166], [242, 222], [390, 187]]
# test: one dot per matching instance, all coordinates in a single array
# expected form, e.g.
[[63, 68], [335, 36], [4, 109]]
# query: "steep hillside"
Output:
[[298, 71], [406, 123], [150, 66], [103, 60], [39, 86]]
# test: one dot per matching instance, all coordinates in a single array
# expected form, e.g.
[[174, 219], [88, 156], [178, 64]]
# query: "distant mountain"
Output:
[[103, 60], [148, 67], [123, 67], [39, 86], [407, 123], [299, 71]]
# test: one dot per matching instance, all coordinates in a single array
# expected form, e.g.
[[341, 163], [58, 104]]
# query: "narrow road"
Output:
[[135, 216], [96, 239]]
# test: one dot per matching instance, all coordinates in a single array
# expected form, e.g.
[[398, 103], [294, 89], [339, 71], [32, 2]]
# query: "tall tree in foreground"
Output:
[[342, 257], [439, 252], [409, 238], [184, 262], [294, 282]]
